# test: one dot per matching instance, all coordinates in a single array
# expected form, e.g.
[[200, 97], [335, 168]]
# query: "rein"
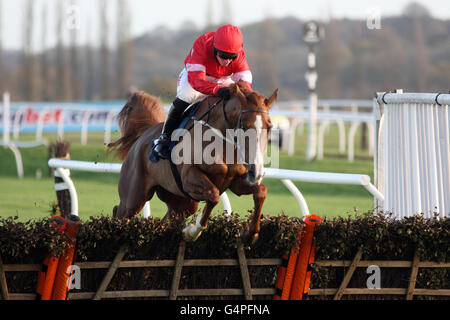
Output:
[[207, 112], [217, 132]]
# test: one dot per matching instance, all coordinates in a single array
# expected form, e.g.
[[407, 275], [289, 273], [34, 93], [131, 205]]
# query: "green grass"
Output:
[[32, 198]]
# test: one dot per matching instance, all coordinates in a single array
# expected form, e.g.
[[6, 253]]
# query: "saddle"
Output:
[[190, 112], [187, 115]]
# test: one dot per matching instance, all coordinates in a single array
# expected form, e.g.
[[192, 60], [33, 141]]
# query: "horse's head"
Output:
[[253, 125]]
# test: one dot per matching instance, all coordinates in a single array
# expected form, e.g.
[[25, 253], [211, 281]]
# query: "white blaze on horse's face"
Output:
[[261, 142]]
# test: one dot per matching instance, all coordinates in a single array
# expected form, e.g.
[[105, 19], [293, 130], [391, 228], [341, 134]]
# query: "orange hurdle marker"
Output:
[[46, 276], [281, 277], [302, 275], [61, 286], [286, 272]]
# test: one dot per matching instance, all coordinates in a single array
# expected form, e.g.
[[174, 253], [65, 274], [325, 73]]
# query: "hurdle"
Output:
[[412, 157]]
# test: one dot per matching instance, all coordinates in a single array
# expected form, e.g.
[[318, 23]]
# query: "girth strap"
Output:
[[178, 181]]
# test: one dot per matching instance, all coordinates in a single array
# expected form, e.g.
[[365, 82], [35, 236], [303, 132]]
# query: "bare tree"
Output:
[[30, 83], [269, 65], [74, 65], [2, 68], [415, 10], [89, 69], [124, 49], [63, 77], [104, 51], [44, 63], [420, 56], [329, 66], [58, 84]]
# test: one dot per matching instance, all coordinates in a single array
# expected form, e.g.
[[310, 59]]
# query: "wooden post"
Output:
[[110, 273], [244, 273], [413, 276], [62, 190], [177, 273], [3, 283], [348, 275]]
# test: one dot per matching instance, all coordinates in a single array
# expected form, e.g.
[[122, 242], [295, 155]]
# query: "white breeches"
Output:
[[188, 94]]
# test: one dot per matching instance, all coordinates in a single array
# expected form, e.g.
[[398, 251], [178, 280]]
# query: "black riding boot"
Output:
[[172, 121]]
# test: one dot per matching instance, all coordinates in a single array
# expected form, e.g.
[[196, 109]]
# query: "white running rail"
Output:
[[286, 176], [15, 145]]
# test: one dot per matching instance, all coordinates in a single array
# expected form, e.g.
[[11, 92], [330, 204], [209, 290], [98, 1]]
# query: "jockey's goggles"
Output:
[[226, 55]]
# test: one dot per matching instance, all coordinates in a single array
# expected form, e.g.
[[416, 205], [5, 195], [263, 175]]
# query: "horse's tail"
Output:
[[139, 113]]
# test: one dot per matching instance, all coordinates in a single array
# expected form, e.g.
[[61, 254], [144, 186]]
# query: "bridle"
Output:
[[239, 123]]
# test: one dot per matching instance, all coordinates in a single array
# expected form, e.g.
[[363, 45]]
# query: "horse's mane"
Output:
[[246, 95], [242, 88], [141, 111]]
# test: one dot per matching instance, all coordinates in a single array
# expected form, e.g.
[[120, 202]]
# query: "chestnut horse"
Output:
[[140, 122]]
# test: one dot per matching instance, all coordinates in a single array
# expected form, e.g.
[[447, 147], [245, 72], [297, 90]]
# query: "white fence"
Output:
[[325, 119], [286, 176], [59, 116], [340, 111], [15, 145], [412, 162]]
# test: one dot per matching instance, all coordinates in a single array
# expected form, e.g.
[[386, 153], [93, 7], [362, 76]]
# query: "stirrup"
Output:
[[161, 147]]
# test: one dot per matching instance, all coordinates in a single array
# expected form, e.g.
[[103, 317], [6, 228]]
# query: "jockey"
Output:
[[216, 60]]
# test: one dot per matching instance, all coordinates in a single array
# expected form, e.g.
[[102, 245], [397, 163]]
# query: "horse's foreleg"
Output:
[[193, 231], [240, 187], [177, 207], [259, 195], [199, 186]]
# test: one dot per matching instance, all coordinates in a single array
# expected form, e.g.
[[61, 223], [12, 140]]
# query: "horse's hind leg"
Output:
[[122, 211], [132, 203]]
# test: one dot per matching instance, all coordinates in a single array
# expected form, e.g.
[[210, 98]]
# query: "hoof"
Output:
[[248, 237], [192, 232], [115, 211]]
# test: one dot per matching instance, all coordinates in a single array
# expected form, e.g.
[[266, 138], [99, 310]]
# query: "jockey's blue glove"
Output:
[[224, 93]]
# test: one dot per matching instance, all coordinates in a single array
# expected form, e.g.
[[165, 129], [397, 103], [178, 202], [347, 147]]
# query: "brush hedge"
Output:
[[380, 236]]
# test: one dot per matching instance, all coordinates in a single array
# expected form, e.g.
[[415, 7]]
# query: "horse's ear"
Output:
[[241, 95], [269, 101]]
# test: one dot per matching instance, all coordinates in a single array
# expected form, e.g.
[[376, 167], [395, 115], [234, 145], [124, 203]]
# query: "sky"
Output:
[[148, 14]]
